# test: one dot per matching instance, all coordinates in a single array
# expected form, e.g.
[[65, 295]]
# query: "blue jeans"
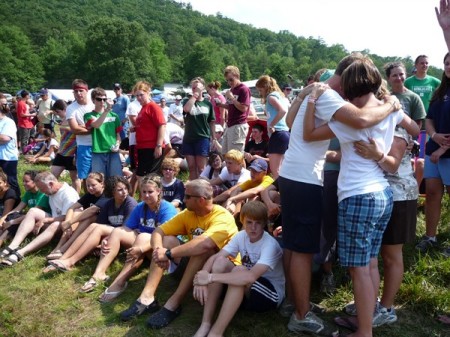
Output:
[[107, 163]]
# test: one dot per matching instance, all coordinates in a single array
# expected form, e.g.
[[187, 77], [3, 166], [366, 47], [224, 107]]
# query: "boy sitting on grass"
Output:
[[257, 285]]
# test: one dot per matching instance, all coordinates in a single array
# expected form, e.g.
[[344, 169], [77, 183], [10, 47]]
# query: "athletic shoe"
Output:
[[328, 284], [425, 244], [383, 316], [311, 324]]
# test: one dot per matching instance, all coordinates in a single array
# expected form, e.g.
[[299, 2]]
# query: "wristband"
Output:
[[210, 278], [382, 160], [432, 135]]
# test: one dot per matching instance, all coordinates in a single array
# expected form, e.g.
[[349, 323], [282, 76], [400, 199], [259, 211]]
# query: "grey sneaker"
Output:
[[425, 244], [312, 324], [328, 284], [383, 316], [446, 252], [350, 308]]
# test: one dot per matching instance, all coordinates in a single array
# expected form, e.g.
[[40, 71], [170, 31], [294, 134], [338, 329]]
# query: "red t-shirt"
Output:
[[23, 122], [148, 121]]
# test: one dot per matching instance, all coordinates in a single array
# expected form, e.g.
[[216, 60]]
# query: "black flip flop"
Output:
[[346, 322]]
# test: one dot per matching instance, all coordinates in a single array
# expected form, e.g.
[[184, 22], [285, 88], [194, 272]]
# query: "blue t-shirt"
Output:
[[272, 112], [8, 151], [113, 216], [121, 105], [145, 220], [174, 191]]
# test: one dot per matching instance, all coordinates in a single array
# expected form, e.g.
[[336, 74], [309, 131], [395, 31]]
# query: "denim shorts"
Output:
[[362, 221], [441, 170], [198, 148], [278, 142]]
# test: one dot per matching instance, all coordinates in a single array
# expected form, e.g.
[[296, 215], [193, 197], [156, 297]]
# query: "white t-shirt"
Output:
[[177, 111], [234, 179], [62, 200], [359, 175], [53, 142], [133, 110], [265, 251], [77, 111], [174, 134], [304, 161]]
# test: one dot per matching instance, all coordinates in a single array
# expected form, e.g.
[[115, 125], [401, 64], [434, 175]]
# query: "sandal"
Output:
[[108, 296], [92, 284], [11, 259], [163, 318], [6, 252], [55, 255], [58, 264], [49, 268]]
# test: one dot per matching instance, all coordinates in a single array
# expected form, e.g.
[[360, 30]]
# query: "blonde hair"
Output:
[[215, 84], [170, 163], [269, 84], [235, 155], [142, 86], [233, 70]]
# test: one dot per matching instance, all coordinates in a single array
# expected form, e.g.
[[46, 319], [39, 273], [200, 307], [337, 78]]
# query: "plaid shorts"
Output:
[[361, 224]]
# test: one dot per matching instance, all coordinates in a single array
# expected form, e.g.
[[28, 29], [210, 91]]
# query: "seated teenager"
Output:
[[135, 235], [81, 214], [257, 285], [249, 189], [113, 214], [9, 203], [234, 173], [256, 147], [47, 152], [173, 188]]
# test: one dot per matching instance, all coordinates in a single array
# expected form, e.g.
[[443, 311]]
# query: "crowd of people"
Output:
[[256, 213]]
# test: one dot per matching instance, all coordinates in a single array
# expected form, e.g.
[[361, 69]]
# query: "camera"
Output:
[[415, 149]]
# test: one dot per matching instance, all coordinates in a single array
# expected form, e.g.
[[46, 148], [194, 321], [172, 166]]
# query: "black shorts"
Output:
[[401, 228], [146, 162], [261, 297], [133, 157], [66, 162], [301, 209], [278, 142]]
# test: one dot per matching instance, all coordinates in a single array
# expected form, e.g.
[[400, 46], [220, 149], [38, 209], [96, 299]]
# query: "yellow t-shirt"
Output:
[[218, 225], [246, 185]]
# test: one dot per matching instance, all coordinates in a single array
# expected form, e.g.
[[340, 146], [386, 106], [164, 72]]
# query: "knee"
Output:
[[221, 265], [170, 241]]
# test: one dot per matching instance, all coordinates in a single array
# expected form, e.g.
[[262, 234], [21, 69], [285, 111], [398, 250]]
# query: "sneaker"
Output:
[[350, 308], [137, 309], [383, 316], [446, 252], [328, 284], [286, 309], [425, 244], [312, 324]]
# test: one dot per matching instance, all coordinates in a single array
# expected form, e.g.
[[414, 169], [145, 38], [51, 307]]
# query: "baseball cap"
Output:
[[43, 91], [178, 97], [326, 75], [258, 165], [117, 86], [287, 86]]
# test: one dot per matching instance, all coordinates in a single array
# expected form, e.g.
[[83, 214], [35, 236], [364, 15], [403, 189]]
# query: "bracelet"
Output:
[[432, 135], [210, 278], [382, 160]]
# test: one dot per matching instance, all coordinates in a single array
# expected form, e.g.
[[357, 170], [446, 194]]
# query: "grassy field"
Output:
[[36, 305]]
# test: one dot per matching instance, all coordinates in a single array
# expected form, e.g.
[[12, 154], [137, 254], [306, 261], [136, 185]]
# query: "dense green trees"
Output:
[[104, 41]]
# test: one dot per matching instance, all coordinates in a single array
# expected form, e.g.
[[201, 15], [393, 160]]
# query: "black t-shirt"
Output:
[[256, 149], [88, 200], [9, 194]]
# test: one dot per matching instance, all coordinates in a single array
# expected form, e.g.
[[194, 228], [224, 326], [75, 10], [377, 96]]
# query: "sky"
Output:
[[384, 27]]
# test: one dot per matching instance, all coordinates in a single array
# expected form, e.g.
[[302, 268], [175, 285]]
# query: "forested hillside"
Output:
[[51, 42]]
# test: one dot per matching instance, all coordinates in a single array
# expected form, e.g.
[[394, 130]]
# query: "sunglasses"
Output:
[[99, 99], [188, 196]]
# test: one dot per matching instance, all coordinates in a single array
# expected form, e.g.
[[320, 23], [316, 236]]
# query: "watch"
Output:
[[168, 254], [158, 145]]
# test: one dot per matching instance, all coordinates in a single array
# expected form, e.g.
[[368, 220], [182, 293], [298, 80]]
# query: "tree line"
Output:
[[49, 43]]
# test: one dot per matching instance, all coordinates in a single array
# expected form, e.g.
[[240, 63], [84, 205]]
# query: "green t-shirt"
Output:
[[197, 121], [37, 199], [412, 105], [105, 136], [423, 87]]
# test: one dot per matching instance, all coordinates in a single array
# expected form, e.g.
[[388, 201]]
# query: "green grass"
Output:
[[37, 305]]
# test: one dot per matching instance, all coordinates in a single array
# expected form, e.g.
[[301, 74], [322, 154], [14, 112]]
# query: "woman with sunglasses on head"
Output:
[[105, 127], [150, 130], [135, 236], [65, 158]]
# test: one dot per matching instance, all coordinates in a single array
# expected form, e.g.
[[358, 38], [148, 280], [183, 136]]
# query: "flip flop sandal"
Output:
[[346, 322], [59, 265], [49, 268], [163, 318], [6, 252], [111, 295], [92, 284], [11, 259], [54, 256]]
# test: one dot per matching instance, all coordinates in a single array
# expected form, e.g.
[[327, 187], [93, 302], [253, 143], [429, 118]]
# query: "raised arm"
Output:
[[443, 17]]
